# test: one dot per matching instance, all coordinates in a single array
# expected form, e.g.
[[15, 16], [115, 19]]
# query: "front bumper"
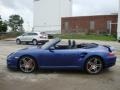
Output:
[[12, 63]]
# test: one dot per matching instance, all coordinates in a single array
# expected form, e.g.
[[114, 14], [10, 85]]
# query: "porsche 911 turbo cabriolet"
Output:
[[90, 57]]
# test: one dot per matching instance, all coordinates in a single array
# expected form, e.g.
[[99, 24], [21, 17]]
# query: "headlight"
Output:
[[11, 55]]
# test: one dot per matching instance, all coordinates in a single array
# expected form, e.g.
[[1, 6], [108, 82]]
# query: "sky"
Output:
[[24, 8], [80, 8]]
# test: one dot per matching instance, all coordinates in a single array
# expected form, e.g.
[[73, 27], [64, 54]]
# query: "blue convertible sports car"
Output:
[[90, 57]]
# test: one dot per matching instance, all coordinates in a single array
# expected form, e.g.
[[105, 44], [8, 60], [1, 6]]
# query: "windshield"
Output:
[[51, 43]]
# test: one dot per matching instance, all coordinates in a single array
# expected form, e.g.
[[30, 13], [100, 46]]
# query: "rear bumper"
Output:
[[109, 62]]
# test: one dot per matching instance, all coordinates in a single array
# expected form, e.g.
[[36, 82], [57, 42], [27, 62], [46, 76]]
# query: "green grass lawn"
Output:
[[87, 37], [10, 35]]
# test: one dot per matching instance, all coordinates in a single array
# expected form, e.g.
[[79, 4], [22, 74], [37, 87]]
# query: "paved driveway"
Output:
[[57, 80]]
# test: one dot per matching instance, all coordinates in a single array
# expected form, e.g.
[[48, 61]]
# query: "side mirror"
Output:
[[51, 49]]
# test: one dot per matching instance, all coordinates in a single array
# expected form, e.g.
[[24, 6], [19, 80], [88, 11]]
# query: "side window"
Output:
[[34, 34], [29, 34], [25, 34]]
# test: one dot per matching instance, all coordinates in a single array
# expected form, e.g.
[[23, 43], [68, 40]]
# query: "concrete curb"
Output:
[[9, 39]]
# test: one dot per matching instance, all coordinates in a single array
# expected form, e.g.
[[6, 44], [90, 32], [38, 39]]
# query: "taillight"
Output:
[[111, 54]]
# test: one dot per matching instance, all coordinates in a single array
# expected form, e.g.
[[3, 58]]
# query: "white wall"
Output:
[[48, 13], [118, 30]]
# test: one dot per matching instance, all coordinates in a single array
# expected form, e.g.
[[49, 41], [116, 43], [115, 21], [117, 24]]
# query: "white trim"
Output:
[[110, 31]]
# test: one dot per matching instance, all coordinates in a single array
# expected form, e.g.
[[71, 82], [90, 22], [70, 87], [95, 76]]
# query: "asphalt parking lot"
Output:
[[57, 80]]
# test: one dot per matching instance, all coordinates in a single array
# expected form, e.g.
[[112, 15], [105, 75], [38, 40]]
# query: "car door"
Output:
[[67, 57], [29, 37], [24, 37], [61, 58]]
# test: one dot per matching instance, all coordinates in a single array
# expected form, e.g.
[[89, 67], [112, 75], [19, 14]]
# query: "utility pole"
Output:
[[118, 28]]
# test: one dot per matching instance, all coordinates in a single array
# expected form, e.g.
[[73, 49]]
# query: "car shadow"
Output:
[[64, 72], [60, 71], [80, 72]]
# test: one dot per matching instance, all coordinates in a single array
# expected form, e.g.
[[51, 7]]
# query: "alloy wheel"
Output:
[[34, 42], [18, 41], [94, 65], [27, 64]]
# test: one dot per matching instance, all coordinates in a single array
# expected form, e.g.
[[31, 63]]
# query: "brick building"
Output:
[[100, 24]]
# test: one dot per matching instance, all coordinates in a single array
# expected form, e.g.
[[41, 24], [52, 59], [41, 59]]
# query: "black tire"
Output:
[[119, 41], [94, 65], [35, 42], [27, 64], [18, 41]]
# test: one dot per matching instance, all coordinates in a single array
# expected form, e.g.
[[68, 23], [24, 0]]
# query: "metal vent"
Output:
[[36, 0]]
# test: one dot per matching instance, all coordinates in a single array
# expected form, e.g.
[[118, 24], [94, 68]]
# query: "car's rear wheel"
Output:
[[34, 42], [18, 41], [94, 65], [27, 64]]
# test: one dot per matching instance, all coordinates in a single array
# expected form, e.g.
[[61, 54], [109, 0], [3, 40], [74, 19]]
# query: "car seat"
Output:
[[74, 44], [69, 44]]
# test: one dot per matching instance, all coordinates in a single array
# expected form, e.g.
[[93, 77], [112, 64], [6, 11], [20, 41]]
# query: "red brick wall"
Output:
[[82, 24]]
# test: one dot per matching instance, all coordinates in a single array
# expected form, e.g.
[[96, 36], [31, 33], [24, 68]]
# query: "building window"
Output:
[[108, 24], [92, 25]]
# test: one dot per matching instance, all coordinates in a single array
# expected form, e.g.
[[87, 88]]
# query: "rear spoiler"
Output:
[[109, 48]]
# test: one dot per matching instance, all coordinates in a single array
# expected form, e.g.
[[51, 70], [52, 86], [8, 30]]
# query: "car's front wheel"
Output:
[[18, 41], [27, 64], [94, 65], [34, 42]]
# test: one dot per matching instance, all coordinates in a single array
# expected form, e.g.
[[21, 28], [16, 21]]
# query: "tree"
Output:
[[3, 25], [0, 23], [16, 23]]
